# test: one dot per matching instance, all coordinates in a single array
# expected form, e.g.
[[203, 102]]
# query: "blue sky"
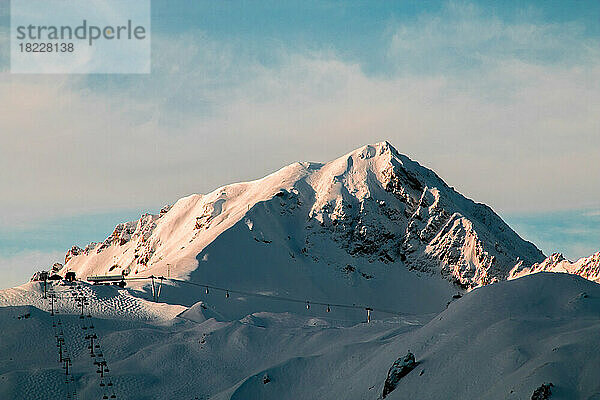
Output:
[[499, 98]]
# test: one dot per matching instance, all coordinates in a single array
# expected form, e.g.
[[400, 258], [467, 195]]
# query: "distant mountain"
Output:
[[586, 267], [372, 225]]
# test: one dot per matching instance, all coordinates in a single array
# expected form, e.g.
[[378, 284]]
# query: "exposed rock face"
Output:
[[399, 369], [401, 211], [73, 252], [586, 267], [134, 237]]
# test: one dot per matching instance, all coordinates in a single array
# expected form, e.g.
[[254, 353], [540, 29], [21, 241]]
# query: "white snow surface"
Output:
[[500, 341]]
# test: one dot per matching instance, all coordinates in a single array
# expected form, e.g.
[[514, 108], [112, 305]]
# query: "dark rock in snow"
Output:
[[399, 369], [544, 392]]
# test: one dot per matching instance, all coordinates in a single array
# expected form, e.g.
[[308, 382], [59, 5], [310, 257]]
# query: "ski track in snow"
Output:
[[501, 341]]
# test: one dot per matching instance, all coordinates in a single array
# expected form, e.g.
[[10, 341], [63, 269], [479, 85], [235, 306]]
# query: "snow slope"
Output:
[[500, 341], [372, 227], [586, 267]]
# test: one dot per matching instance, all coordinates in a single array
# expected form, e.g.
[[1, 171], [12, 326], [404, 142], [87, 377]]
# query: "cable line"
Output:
[[272, 297]]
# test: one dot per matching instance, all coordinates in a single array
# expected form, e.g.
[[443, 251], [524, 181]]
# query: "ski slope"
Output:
[[501, 341]]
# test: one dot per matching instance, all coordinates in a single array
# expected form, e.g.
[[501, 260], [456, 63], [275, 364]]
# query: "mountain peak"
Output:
[[374, 150], [341, 223]]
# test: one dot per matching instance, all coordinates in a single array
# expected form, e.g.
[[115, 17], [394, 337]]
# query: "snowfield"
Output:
[[501, 341]]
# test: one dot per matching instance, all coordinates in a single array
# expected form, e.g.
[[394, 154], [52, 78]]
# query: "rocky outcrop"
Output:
[[73, 252], [586, 267], [398, 370], [544, 392]]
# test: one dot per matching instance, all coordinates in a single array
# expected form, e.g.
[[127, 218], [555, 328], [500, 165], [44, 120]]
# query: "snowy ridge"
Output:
[[354, 223], [586, 267]]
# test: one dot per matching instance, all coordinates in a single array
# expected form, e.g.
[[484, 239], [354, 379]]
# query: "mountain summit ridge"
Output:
[[354, 221]]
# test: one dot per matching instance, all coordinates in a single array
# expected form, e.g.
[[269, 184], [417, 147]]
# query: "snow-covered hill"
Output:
[[587, 267], [501, 341], [347, 230]]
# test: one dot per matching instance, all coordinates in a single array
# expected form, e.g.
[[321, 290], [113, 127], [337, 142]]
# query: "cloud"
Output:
[[465, 38], [516, 128]]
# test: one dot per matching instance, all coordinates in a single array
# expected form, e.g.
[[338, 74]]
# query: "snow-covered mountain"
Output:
[[372, 227], [353, 226], [586, 267]]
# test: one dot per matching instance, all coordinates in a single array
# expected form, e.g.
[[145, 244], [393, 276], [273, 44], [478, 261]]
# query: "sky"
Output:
[[501, 99]]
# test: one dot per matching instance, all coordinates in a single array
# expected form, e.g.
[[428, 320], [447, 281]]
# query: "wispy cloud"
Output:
[[464, 38]]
